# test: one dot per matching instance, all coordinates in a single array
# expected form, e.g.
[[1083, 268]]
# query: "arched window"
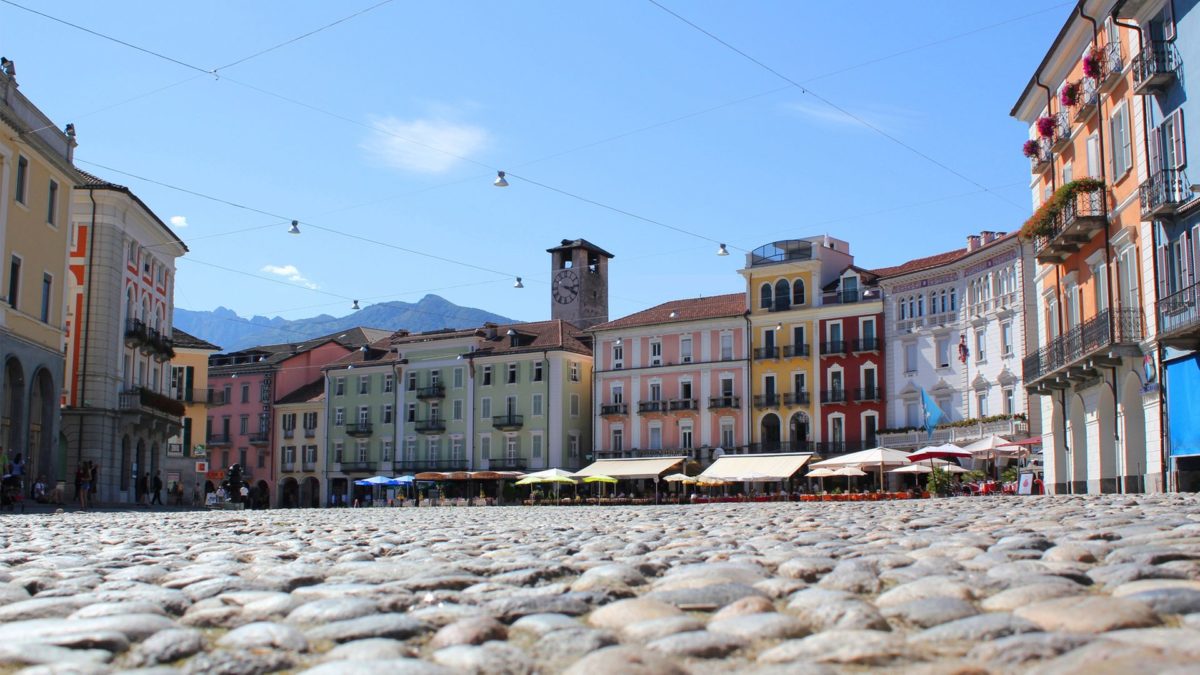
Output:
[[145, 310], [920, 305], [953, 300], [901, 309], [798, 292], [130, 312], [783, 294], [764, 296]]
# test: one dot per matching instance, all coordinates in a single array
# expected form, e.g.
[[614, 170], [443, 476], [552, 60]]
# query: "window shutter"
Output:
[[1155, 151], [1177, 131], [1164, 272]]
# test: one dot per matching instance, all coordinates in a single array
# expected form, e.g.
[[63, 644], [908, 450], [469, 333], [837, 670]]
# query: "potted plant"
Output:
[[1070, 94], [1030, 148], [1091, 64], [1045, 127]]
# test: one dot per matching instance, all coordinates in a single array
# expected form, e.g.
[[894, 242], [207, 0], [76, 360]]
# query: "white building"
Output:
[[955, 328]]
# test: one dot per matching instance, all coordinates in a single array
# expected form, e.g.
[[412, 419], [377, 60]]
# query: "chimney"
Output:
[[972, 242], [491, 330], [988, 236]]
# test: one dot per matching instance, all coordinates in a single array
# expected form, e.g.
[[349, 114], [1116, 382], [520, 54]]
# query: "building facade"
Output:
[[815, 333], [119, 406], [36, 176], [957, 331], [300, 429], [361, 416], [1092, 236], [671, 381], [189, 385]]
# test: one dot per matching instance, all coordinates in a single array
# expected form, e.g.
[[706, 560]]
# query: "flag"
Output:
[[933, 414]]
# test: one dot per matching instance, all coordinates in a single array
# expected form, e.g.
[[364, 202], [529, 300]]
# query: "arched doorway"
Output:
[[1133, 432], [310, 493], [40, 445], [140, 467], [126, 466], [1078, 447], [289, 493], [1058, 458], [798, 427], [11, 427], [769, 434], [1107, 414]]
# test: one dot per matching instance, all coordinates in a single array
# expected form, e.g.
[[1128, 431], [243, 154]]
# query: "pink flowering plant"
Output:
[[1030, 148], [1045, 127], [1070, 94]]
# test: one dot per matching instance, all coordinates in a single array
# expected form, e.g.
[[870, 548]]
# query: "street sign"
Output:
[[201, 467]]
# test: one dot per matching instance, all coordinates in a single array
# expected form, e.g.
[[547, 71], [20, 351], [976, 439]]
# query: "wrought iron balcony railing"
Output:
[[864, 345], [358, 429], [1081, 218], [767, 400], [508, 422], [1089, 98], [260, 438], [1155, 67], [1108, 328], [1179, 318], [761, 353], [791, 351], [717, 402], [867, 394], [833, 396], [682, 405], [796, 398], [1062, 131], [1164, 193], [834, 347], [432, 425], [357, 467], [614, 409], [419, 465], [652, 407], [432, 391], [1042, 158]]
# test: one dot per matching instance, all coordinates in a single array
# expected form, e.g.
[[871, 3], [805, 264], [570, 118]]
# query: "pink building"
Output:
[[672, 380]]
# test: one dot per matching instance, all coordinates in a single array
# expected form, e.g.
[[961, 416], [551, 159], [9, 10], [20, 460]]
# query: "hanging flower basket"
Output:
[[1091, 64], [1045, 127], [1042, 222], [1070, 94], [1030, 148]]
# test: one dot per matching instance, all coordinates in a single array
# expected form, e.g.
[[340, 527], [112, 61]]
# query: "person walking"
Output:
[[157, 487], [83, 478]]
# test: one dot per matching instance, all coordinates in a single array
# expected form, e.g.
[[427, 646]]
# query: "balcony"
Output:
[[136, 332], [608, 409], [837, 347], [288, 467], [308, 467], [142, 400], [868, 394], [793, 351], [763, 353], [864, 345], [833, 396], [850, 296], [796, 398], [1075, 355], [683, 405], [1082, 217], [433, 391], [1166, 191], [508, 464], [434, 425], [1042, 158], [767, 401], [1111, 65], [1062, 132], [419, 465], [357, 467], [310, 433], [1155, 67], [652, 407], [1179, 319], [1089, 100], [720, 402], [215, 398], [260, 438], [508, 422], [217, 439], [904, 440], [358, 429]]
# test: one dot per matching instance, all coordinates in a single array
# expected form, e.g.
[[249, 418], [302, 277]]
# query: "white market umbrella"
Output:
[[680, 478], [551, 473], [822, 474], [989, 446], [880, 457], [849, 471], [913, 468]]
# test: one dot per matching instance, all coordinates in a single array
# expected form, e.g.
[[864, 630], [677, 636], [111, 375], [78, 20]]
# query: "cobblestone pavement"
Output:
[[1061, 584]]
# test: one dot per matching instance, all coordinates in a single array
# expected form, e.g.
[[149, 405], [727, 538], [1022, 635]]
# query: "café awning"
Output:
[[642, 467], [776, 466]]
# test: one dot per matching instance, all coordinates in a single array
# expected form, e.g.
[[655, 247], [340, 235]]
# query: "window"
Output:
[[510, 405], [912, 414], [910, 358], [573, 445], [1009, 401], [837, 430], [798, 339], [655, 391], [433, 448], [386, 414], [726, 385], [980, 346], [310, 420], [655, 353], [364, 384], [1067, 172], [485, 447], [764, 296], [458, 378], [52, 204], [685, 349], [14, 281], [339, 417], [435, 378], [574, 405], [536, 407], [1121, 153], [1127, 278], [456, 449], [338, 452], [388, 383], [1166, 144], [618, 393], [412, 381], [981, 404], [485, 408], [798, 292], [867, 333], [339, 387], [727, 433], [487, 376], [655, 437], [726, 346], [617, 440], [289, 421], [685, 390], [289, 454], [244, 425], [47, 293], [618, 357], [537, 371], [1093, 155], [870, 388], [262, 459], [22, 179], [410, 449], [870, 427], [953, 300], [385, 451], [849, 289], [511, 449], [410, 415], [310, 454], [511, 378], [361, 450], [536, 445], [264, 392], [574, 371], [685, 436], [1006, 338], [943, 353], [435, 411], [456, 409]]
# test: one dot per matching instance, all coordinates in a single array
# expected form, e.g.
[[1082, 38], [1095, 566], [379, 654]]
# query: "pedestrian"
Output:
[[144, 488], [196, 494], [83, 479], [157, 487]]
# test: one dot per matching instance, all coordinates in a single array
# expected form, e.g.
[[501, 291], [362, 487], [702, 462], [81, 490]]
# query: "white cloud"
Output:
[[291, 273], [432, 145], [179, 221], [885, 118]]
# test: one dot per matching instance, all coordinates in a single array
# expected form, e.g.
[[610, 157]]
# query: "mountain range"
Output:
[[232, 332]]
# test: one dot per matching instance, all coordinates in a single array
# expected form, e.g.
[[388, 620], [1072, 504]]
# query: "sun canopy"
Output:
[[679, 478], [943, 450], [821, 473], [599, 479], [849, 471], [648, 467], [551, 473], [874, 457], [757, 468]]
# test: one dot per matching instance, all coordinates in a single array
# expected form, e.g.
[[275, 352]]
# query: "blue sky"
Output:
[[533, 88]]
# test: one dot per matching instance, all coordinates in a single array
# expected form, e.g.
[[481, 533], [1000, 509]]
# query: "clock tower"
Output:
[[579, 283]]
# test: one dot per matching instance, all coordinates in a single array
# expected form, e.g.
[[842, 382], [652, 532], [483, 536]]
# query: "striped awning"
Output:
[[648, 467], [764, 467]]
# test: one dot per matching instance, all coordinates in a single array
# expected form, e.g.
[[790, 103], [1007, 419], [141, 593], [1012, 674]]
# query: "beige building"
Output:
[[36, 178], [186, 460]]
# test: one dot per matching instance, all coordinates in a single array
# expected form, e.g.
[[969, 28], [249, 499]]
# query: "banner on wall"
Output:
[[1183, 400]]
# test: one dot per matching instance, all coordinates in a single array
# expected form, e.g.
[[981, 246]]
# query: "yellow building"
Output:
[[187, 457], [36, 178]]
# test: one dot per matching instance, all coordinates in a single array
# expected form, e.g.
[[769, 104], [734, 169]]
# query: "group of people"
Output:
[[147, 491]]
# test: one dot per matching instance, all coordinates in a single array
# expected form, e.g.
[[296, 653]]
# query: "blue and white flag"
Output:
[[933, 414]]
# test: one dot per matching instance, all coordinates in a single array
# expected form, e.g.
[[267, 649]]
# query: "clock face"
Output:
[[566, 286]]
